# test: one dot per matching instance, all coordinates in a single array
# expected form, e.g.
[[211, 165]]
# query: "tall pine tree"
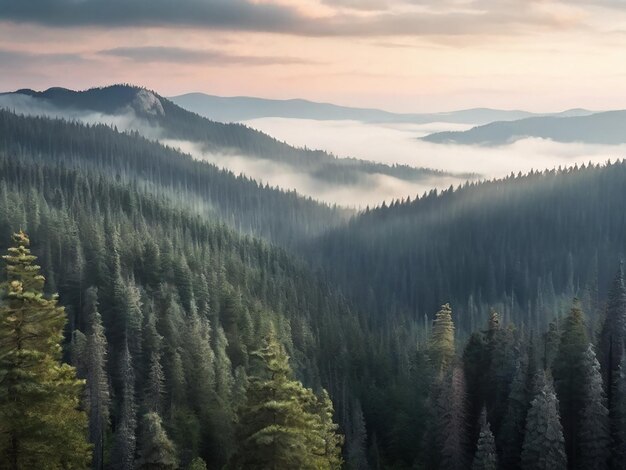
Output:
[[97, 393], [41, 425], [544, 444]]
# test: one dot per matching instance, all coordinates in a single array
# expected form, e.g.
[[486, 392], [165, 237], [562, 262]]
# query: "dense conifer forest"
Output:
[[206, 321]]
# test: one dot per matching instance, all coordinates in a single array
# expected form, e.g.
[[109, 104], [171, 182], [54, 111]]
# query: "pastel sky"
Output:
[[401, 55]]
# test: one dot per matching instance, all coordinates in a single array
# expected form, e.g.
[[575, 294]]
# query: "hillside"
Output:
[[155, 117], [243, 204], [518, 244], [119, 226], [606, 128]]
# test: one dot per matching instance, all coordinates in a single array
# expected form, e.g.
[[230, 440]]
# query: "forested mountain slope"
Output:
[[240, 202], [157, 117], [180, 324], [517, 243], [184, 301], [120, 227]]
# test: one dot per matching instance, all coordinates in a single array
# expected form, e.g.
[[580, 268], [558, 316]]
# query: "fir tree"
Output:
[[441, 344], [97, 393], [156, 451], [276, 427], [156, 385], [593, 433], [40, 423], [511, 436], [356, 446], [485, 457], [569, 379], [197, 464], [123, 452], [331, 439], [451, 421], [544, 444]]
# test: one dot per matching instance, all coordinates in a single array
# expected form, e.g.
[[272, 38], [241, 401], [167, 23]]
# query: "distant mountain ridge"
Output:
[[156, 115], [608, 128], [243, 108]]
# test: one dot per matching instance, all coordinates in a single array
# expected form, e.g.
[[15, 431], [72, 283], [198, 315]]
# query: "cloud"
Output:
[[181, 55], [348, 17], [222, 14], [15, 58]]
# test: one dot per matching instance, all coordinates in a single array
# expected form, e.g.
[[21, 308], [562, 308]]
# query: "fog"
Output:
[[371, 191], [384, 143], [391, 143], [123, 121]]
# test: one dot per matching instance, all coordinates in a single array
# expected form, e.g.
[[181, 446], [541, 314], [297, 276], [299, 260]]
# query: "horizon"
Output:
[[397, 55], [308, 100]]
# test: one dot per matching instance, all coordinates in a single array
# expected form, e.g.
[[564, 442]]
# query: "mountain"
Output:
[[607, 128], [251, 208], [243, 108], [202, 322], [517, 244], [135, 238], [138, 109]]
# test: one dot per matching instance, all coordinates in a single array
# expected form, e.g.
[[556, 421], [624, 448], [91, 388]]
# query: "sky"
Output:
[[399, 55]]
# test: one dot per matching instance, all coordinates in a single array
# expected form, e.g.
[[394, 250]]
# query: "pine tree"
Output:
[[197, 464], [40, 423], [451, 421], [97, 393], [485, 457], [544, 444], [441, 344], [156, 385], [156, 451], [356, 449], [569, 379], [593, 433], [123, 452], [511, 436], [276, 426], [332, 440]]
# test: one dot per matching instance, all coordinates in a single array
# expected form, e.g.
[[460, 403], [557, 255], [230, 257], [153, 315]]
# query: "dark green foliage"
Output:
[[125, 440], [97, 392], [40, 423], [441, 345], [570, 379], [544, 444], [504, 243], [155, 450], [185, 295], [485, 457], [593, 430], [279, 427]]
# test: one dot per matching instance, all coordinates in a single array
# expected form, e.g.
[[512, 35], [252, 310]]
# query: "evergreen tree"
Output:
[[485, 457], [356, 439], [329, 431], [197, 464], [451, 419], [511, 436], [156, 451], [593, 433], [441, 344], [544, 444], [123, 452], [97, 392], [569, 379], [156, 385], [40, 423], [276, 427]]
